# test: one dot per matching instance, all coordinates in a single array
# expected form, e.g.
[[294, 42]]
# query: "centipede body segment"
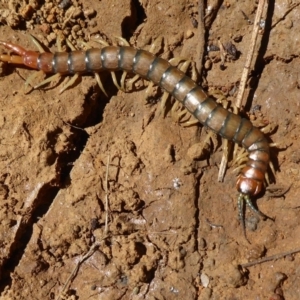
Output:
[[230, 126]]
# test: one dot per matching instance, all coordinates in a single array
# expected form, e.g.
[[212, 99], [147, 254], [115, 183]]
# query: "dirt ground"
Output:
[[107, 198]]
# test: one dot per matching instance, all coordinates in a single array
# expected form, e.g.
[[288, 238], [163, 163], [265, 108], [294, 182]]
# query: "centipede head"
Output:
[[250, 181], [248, 186]]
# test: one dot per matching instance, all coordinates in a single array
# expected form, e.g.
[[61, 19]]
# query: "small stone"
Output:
[[189, 33], [88, 13], [204, 280], [208, 64], [232, 276]]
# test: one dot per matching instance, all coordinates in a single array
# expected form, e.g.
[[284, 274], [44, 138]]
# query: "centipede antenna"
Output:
[[250, 204], [241, 208]]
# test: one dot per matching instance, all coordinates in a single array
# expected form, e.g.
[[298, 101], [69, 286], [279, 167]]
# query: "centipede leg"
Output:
[[52, 79], [31, 78], [98, 79], [114, 78], [190, 123], [123, 77], [69, 83], [163, 101], [130, 82], [70, 45], [241, 208], [178, 112]]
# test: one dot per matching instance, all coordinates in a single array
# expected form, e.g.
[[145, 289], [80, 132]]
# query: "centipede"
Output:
[[250, 180]]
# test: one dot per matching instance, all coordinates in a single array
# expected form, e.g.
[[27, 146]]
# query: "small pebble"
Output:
[[204, 280], [202, 244], [198, 151], [288, 24], [88, 13], [208, 64], [188, 34], [45, 28], [255, 252], [232, 276]]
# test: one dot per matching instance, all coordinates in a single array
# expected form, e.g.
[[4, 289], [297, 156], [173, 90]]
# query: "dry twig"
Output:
[[285, 14], [201, 32], [245, 74], [273, 257]]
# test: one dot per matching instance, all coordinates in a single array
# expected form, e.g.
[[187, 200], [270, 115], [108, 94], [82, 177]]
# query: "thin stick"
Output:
[[73, 274], [245, 74], [223, 165], [69, 124], [285, 14], [273, 257], [201, 39], [246, 69]]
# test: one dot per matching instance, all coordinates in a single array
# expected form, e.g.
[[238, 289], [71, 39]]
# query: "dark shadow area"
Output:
[[24, 233], [130, 24]]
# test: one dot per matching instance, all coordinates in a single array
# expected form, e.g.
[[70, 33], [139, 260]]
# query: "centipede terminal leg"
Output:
[[242, 198]]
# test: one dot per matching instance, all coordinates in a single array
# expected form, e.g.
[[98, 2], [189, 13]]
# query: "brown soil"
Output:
[[160, 240]]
